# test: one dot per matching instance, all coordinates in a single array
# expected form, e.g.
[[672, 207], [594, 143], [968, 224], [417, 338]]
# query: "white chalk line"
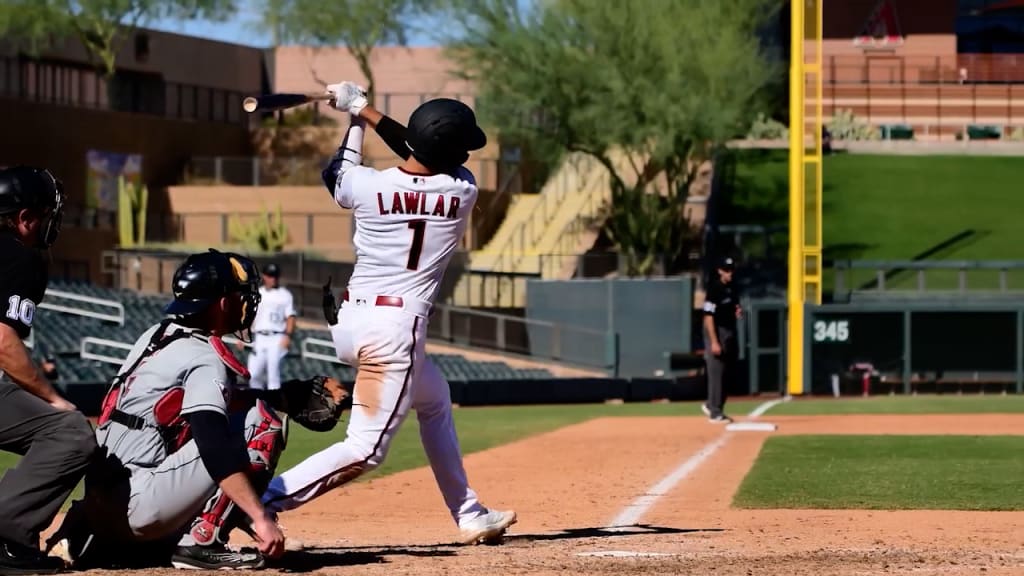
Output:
[[766, 406], [631, 514]]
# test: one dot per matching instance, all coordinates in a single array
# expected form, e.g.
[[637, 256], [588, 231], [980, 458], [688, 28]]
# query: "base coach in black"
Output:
[[55, 441], [721, 311]]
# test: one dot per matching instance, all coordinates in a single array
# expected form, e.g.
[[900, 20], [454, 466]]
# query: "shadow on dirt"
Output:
[[317, 559], [625, 531]]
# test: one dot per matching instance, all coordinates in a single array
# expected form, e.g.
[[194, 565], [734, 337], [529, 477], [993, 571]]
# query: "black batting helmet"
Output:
[[207, 277], [272, 270], [25, 187], [442, 132]]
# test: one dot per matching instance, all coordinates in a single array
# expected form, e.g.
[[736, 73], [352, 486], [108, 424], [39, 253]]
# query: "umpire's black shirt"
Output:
[[720, 302], [23, 277]]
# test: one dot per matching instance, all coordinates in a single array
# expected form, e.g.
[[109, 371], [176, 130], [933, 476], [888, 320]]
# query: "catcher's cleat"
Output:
[[487, 528], [215, 557]]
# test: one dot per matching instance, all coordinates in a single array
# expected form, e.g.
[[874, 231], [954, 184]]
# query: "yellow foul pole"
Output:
[[805, 235]]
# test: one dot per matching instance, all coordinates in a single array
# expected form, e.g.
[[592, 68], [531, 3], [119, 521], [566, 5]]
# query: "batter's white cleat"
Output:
[[487, 528]]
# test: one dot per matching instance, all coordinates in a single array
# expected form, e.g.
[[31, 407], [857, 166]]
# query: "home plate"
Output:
[[751, 427], [623, 554]]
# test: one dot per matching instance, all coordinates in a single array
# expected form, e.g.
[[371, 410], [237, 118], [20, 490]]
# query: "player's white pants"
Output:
[[387, 345], [265, 361]]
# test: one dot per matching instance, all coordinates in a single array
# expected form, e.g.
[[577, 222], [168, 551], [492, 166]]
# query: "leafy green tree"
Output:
[[101, 25], [359, 25], [649, 88]]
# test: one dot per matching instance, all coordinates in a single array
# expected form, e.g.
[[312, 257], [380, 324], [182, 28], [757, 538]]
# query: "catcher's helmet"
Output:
[[36, 189], [207, 277], [442, 132]]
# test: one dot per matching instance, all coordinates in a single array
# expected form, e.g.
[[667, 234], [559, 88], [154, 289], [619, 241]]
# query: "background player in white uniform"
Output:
[[409, 221], [272, 331]]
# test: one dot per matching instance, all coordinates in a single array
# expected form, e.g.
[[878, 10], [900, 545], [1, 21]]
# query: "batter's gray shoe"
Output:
[[215, 557], [487, 528], [720, 419]]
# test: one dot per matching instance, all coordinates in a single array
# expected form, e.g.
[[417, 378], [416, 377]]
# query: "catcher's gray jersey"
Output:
[[190, 363]]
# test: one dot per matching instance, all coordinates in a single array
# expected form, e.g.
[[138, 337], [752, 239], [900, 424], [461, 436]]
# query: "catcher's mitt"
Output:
[[316, 403]]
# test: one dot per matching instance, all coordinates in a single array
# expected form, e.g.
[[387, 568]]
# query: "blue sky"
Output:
[[243, 28]]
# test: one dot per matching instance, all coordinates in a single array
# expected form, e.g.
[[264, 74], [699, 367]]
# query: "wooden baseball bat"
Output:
[[269, 102]]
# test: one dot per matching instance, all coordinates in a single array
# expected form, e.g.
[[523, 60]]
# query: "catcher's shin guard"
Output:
[[266, 434]]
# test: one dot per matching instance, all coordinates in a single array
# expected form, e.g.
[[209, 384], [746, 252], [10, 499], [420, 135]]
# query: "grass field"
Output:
[[896, 207], [991, 404], [886, 473]]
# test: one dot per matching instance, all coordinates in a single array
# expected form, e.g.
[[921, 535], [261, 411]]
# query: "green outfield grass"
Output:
[[989, 404], [886, 473], [896, 207]]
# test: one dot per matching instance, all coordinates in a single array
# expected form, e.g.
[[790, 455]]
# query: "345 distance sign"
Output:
[[831, 330]]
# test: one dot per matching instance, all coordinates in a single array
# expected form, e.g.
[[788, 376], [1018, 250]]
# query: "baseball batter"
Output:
[[272, 331], [183, 466], [409, 220]]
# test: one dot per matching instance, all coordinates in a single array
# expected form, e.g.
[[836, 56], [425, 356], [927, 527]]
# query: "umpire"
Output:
[[55, 441], [721, 310]]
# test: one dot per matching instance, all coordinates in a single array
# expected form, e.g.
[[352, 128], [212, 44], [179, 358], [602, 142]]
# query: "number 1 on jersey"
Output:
[[419, 227]]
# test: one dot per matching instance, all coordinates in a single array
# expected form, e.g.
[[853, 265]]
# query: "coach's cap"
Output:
[[726, 263], [272, 270]]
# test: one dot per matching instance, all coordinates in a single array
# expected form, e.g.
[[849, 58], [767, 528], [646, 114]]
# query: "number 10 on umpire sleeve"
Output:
[[419, 228]]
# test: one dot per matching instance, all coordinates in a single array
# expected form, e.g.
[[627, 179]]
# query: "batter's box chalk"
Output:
[[751, 427]]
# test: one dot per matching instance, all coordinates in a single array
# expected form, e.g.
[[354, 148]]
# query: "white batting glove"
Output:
[[348, 97]]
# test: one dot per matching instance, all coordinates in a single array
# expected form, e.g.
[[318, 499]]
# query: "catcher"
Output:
[[186, 449]]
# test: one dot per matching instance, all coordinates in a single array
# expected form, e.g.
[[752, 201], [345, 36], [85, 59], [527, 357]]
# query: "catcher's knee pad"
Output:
[[266, 435]]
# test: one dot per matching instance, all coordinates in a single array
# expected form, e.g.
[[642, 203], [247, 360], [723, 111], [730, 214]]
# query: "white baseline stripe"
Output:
[[632, 513], [766, 406]]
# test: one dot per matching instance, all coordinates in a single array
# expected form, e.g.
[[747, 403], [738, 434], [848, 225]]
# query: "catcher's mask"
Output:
[[205, 278], [25, 187]]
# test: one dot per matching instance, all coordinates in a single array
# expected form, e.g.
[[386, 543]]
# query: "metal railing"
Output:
[[959, 277], [524, 238], [525, 337], [309, 344], [304, 228], [86, 354], [87, 341], [117, 316], [953, 69], [81, 86], [481, 288]]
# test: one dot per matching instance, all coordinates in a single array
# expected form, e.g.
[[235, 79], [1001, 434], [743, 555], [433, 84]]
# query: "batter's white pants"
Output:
[[387, 345], [265, 361]]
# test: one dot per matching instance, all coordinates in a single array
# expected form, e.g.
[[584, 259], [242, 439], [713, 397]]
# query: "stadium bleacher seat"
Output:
[[896, 132], [978, 132], [61, 334]]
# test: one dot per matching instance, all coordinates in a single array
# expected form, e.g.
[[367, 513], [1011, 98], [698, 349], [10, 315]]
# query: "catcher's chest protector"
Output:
[[172, 427]]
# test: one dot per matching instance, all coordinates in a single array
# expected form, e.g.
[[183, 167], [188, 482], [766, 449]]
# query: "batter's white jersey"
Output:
[[276, 306], [407, 227]]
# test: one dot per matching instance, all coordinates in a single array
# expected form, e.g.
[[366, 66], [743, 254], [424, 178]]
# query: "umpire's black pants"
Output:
[[718, 369], [56, 447]]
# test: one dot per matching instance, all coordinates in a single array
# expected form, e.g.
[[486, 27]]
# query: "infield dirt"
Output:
[[567, 485]]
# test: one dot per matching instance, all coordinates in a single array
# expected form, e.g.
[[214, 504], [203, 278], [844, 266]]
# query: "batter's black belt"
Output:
[[268, 332]]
